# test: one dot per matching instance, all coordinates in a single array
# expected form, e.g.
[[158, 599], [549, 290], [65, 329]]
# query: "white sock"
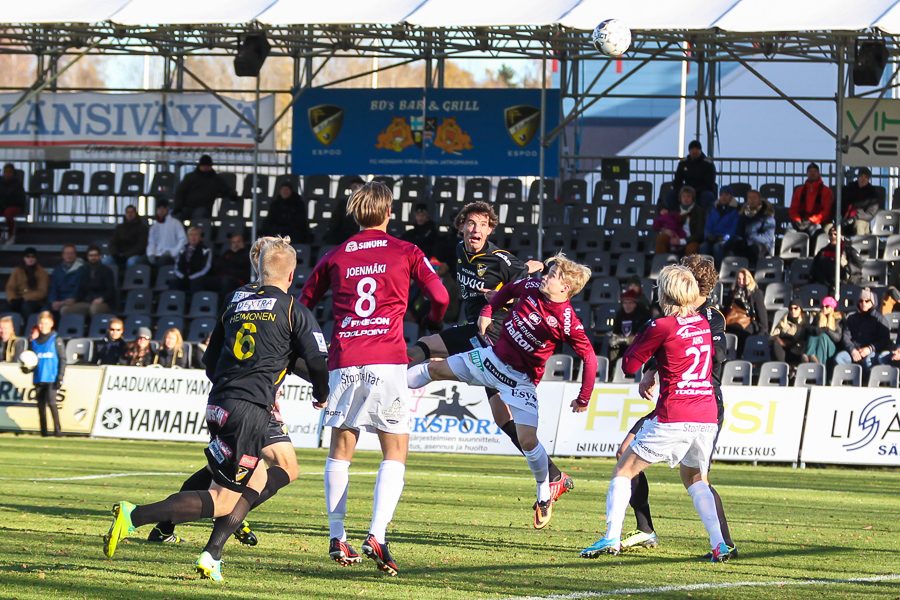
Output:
[[705, 503], [418, 376], [337, 481], [388, 487], [616, 504], [539, 463]]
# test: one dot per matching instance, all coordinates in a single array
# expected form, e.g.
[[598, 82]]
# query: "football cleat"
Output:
[[636, 538], [731, 550], [209, 568], [343, 553], [245, 535], [120, 529], [720, 553], [159, 537], [380, 554], [543, 511], [558, 488], [602, 546]]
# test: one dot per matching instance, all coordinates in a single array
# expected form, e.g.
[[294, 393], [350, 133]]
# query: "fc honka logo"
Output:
[[326, 120], [522, 123]]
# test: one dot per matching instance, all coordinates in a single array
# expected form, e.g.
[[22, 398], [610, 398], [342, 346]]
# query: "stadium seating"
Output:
[[810, 374], [773, 373], [884, 376], [737, 372], [559, 368], [79, 351], [606, 192], [70, 326], [756, 349], [847, 375], [165, 323], [99, 325], [602, 369]]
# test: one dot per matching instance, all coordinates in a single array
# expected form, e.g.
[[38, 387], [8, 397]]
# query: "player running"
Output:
[[481, 268], [683, 429], [247, 358], [278, 452], [541, 319], [369, 276], [705, 274]]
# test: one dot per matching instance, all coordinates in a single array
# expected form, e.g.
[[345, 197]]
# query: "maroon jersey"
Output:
[[684, 351], [369, 276], [534, 327]]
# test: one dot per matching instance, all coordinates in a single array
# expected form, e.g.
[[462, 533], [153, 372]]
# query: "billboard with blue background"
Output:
[[415, 131]]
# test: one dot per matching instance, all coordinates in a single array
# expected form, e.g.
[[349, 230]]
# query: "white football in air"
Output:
[[612, 38]]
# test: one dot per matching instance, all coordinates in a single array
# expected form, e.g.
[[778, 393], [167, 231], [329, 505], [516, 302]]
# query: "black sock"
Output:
[[199, 481], [412, 354], [277, 478], [509, 428], [640, 502], [227, 525], [182, 507], [723, 522]]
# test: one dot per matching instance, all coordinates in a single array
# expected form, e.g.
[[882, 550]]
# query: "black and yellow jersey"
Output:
[[489, 269], [253, 342]]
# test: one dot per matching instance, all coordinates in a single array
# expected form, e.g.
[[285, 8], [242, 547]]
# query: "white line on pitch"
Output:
[[706, 586]]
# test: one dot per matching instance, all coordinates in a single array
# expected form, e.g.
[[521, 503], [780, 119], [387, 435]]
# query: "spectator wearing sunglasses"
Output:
[[111, 349], [866, 335]]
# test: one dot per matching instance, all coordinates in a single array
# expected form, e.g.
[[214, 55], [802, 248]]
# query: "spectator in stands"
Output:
[[192, 268], [139, 352], [342, 225], [166, 237], [12, 200], [754, 236], [636, 284], [111, 349], [628, 321], [197, 354], [745, 309], [681, 228], [27, 287], [171, 352], [128, 244], [823, 263], [812, 203], [288, 215], [859, 205], [824, 333], [96, 293], [11, 345], [788, 340], [697, 171], [721, 224], [65, 280], [232, 267], [49, 372], [424, 233], [865, 334], [197, 192], [890, 300]]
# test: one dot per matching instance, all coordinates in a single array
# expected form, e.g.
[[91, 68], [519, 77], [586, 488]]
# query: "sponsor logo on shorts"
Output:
[[248, 461], [475, 357], [320, 341], [334, 413], [219, 449], [700, 427], [493, 370], [395, 413], [241, 473], [216, 414], [648, 450], [359, 377], [255, 304]]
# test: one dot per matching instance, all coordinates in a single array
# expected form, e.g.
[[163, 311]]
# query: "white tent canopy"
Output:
[[641, 15]]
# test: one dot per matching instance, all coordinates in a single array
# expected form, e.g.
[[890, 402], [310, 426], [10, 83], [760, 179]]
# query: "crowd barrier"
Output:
[[833, 425]]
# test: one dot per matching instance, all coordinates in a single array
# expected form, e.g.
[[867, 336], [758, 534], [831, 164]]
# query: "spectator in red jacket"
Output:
[[811, 206]]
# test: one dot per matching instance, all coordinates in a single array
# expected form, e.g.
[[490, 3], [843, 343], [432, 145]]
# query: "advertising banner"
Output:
[[77, 400], [757, 427], [852, 426], [170, 404], [144, 120], [450, 416], [877, 142], [417, 131]]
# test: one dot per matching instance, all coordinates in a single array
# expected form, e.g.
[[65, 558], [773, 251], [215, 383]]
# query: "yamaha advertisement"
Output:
[[423, 132]]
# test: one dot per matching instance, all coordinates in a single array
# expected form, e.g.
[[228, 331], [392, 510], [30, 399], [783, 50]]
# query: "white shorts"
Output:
[[482, 367], [690, 444], [370, 397]]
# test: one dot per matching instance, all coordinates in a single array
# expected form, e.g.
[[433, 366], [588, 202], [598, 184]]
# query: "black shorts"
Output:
[[277, 430], [237, 434], [464, 338]]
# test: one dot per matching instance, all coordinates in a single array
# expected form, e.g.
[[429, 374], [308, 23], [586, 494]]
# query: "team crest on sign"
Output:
[[522, 123], [326, 120]]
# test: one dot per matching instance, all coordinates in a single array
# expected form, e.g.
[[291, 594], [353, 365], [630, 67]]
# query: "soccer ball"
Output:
[[612, 38], [28, 359]]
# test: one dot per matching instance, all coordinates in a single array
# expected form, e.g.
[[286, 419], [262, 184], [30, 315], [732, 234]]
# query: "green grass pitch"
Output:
[[462, 531]]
